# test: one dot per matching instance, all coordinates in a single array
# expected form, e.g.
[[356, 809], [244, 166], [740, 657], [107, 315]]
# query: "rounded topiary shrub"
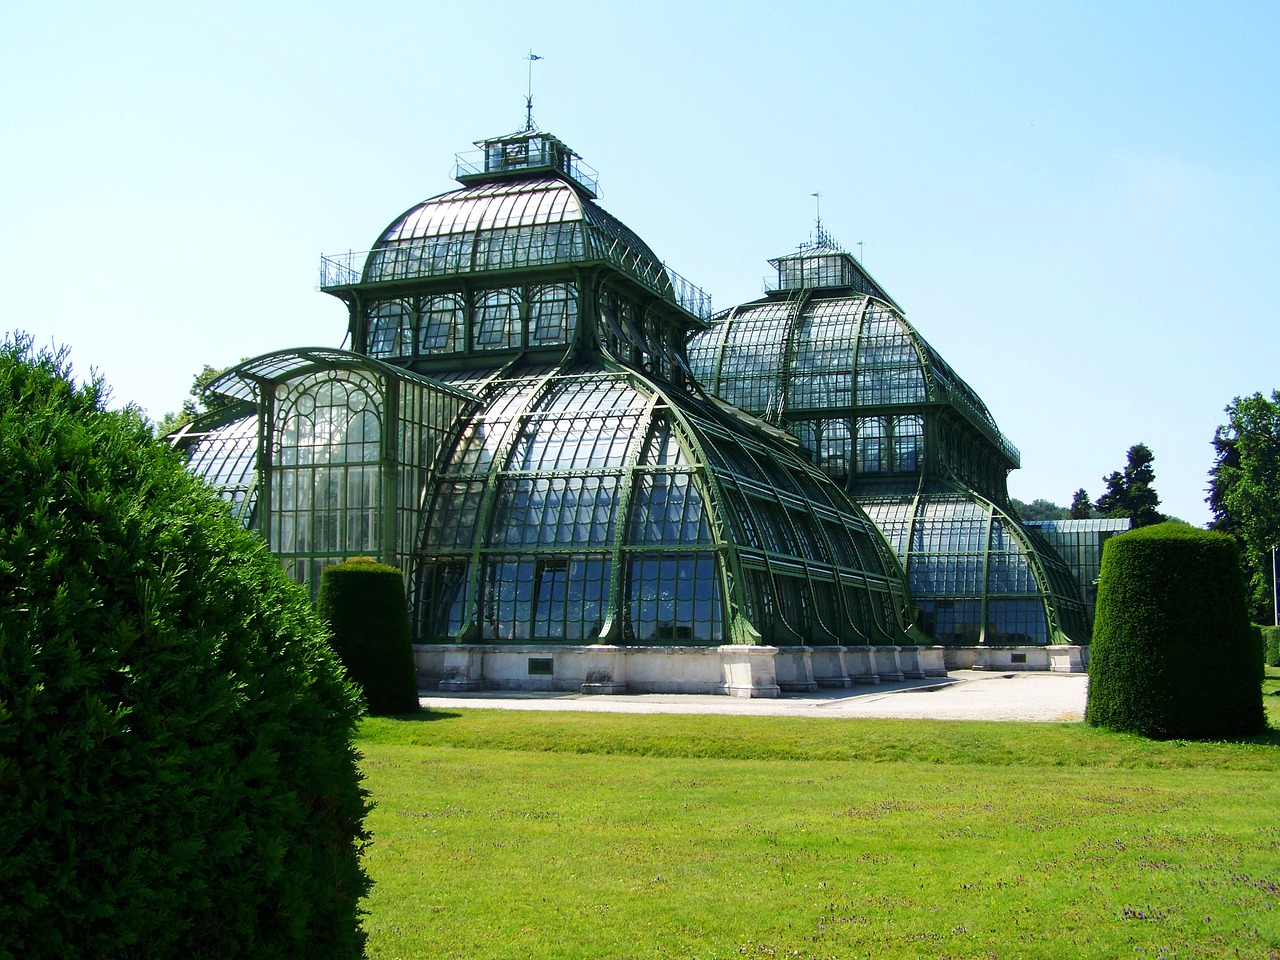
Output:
[[1173, 652], [363, 602], [176, 759]]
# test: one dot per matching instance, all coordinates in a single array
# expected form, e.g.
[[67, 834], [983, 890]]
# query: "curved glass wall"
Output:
[[798, 359], [590, 506], [975, 574], [1079, 543]]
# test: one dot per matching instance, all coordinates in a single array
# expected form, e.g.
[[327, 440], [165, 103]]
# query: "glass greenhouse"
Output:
[[519, 429], [828, 356]]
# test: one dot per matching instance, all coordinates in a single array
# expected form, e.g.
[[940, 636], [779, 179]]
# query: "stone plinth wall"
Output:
[[1054, 659], [736, 670]]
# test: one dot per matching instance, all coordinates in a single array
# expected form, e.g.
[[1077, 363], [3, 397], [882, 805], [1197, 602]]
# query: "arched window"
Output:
[[834, 447], [872, 446], [553, 314], [390, 329], [325, 491], [908, 437], [441, 325], [497, 325]]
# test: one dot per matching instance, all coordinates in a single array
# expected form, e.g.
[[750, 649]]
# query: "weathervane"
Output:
[[821, 237], [528, 99]]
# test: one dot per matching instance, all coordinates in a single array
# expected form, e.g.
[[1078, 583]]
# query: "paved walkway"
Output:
[[963, 695]]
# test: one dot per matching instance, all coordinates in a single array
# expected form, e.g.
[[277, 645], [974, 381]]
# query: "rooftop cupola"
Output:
[[520, 154], [822, 262]]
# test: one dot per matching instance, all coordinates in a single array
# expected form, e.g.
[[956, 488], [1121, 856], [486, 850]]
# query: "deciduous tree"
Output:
[[199, 402], [1243, 486]]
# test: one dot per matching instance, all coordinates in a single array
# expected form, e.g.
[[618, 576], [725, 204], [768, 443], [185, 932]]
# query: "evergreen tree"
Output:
[[1081, 508], [1132, 493], [176, 735]]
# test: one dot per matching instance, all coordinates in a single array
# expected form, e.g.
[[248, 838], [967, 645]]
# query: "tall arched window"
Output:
[[326, 481], [873, 455], [908, 438], [834, 447]]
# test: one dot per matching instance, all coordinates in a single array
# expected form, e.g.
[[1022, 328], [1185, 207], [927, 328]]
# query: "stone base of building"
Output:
[[737, 670], [1053, 659]]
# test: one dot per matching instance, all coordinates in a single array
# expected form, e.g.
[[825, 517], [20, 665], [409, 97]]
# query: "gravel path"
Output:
[[964, 695]]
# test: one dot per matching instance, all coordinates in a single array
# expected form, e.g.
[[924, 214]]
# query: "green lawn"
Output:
[[515, 834]]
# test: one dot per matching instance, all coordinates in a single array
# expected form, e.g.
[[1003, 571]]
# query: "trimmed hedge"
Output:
[[1271, 646], [176, 757], [1173, 652], [363, 602]]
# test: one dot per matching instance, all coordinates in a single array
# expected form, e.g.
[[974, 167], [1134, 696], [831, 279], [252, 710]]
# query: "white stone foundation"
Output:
[[1054, 659], [738, 670]]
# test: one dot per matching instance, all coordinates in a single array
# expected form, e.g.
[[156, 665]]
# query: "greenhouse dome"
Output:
[[829, 357], [518, 428]]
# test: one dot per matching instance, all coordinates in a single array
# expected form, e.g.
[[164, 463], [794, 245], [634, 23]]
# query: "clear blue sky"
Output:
[[1076, 203]]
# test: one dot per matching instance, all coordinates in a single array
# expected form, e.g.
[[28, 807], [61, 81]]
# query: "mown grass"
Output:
[[519, 834]]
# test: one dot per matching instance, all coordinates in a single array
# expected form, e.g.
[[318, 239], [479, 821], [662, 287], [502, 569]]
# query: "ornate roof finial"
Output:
[[820, 237], [528, 100]]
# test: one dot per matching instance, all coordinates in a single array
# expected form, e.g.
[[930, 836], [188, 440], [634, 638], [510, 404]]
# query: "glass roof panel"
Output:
[[226, 458]]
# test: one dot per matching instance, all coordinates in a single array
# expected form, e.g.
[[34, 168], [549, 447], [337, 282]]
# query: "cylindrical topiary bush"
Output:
[[176, 759], [1271, 646], [363, 602], [1173, 653]]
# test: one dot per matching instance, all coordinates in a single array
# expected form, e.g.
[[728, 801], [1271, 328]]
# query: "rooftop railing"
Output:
[[976, 417], [476, 163], [347, 269], [342, 269]]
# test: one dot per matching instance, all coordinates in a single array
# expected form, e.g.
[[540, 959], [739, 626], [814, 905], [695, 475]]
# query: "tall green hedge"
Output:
[[1271, 646], [363, 602], [177, 773], [1173, 652]]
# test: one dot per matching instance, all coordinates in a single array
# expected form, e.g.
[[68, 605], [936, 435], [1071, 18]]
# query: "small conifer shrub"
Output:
[[364, 604], [177, 773], [1173, 652]]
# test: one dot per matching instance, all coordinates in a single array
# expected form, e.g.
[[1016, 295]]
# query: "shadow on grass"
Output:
[[421, 716]]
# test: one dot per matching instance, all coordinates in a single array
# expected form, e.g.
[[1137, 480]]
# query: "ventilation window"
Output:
[[1013, 658], [542, 666]]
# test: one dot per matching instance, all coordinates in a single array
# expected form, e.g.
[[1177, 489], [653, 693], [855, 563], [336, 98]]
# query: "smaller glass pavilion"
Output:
[[828, 356]]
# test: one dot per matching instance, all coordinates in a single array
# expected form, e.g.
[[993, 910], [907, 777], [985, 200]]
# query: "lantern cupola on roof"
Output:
[[520, 154], [822, 262]]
